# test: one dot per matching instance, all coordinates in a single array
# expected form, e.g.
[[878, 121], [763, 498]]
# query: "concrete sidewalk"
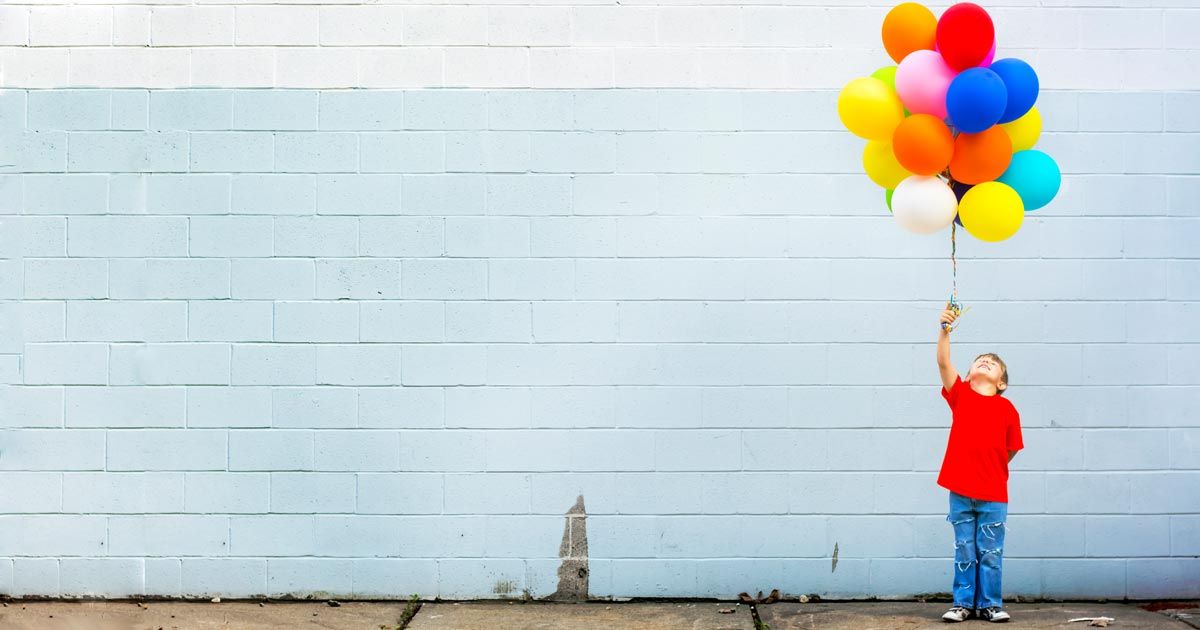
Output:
[[912, 615], [41, 615]]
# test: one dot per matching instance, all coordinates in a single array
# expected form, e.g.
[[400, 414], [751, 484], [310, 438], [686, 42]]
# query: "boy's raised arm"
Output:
[[945, 367]]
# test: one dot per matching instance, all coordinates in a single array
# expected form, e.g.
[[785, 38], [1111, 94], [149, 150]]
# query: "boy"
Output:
[[985, 434]]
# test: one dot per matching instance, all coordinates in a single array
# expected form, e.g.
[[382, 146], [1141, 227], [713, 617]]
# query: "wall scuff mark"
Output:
[[573, 571]]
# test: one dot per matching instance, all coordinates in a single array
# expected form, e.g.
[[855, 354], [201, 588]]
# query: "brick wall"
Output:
[[262, 335]]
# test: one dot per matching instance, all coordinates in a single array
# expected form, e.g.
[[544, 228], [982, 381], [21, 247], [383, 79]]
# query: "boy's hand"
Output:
[[947, 318]]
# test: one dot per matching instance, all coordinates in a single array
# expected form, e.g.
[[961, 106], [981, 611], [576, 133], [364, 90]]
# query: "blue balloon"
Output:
[[1022, 84], [1034, 176], [976, 99]]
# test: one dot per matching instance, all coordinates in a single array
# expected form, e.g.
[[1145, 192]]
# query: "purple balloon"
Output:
[[959, 189]]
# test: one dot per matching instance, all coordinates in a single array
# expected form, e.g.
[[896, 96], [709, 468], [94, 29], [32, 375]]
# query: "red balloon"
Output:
[[964, 35]]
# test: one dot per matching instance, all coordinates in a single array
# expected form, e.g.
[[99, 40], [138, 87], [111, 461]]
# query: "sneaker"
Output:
[[956, 614], [994, 614]]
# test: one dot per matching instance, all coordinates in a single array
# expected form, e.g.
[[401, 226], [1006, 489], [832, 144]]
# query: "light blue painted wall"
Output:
[[371, 343]]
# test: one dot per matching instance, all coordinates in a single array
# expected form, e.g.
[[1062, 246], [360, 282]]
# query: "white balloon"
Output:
[[924, 204]]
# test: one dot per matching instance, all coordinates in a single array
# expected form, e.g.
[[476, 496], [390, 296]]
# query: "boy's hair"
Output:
[[1003, 368]]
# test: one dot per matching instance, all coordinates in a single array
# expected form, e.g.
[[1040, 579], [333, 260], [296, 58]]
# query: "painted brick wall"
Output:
[[1074, 44], [270, 336]]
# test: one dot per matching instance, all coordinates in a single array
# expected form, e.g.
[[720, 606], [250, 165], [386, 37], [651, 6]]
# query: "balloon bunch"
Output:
[[950, 130]]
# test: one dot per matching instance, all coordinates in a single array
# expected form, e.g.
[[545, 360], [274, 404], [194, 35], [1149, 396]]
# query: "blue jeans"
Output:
[[978, 550]]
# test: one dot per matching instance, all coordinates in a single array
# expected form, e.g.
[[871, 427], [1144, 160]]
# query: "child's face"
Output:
[[986, 368]]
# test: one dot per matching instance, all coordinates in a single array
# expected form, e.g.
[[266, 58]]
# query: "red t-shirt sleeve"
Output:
[[951, 395], [1012, 436]]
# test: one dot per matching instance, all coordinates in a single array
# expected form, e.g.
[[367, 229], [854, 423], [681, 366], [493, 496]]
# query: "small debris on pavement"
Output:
[[333, 603], [804, 599], [216, 600], [725, 611], [1101, 622]]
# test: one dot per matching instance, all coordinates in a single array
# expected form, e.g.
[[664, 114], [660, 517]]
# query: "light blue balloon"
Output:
[[1035, 177]]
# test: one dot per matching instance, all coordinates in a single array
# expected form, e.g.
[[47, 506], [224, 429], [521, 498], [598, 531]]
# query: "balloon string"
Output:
[[957, 308], [953, 263]]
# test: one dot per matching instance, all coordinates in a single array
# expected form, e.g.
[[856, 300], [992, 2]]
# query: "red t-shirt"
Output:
[[983, 430]]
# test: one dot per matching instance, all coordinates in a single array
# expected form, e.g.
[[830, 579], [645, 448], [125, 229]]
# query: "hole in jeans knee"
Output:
[[989, 529]]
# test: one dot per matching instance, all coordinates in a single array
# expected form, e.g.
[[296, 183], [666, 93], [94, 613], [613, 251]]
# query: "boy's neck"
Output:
[[983, 388]]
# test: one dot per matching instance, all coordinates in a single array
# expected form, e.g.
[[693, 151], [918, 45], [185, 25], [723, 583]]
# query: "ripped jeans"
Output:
[[978, 550]]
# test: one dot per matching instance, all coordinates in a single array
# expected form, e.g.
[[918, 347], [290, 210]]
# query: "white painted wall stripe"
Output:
[[1151, 46]]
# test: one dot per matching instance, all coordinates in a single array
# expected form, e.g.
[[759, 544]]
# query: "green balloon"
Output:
[[887, 194], [887, 74]]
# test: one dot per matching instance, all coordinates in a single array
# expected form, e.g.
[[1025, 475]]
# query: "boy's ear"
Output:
[[1001, 386]]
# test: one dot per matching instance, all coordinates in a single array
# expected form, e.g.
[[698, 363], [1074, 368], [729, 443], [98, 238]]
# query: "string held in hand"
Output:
[[957, 308]]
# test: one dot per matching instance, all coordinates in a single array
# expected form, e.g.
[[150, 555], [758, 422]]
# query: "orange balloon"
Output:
[[908, 27], [923, 144], [980, 157]]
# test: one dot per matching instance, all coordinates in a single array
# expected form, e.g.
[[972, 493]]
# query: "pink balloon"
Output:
[[922, 80], [991, 56]]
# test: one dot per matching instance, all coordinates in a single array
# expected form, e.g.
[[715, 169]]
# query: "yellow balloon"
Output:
[[881, 165], [991, 211], [869, 108], [1025, 130]]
